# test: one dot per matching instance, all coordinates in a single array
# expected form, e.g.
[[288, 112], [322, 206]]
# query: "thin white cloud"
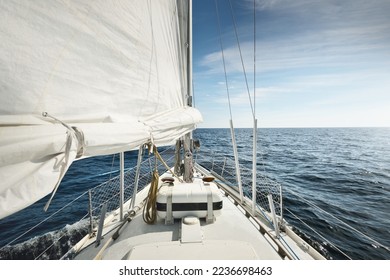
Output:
[[326, 34], [329, 67], [341, 47], [240, 96]]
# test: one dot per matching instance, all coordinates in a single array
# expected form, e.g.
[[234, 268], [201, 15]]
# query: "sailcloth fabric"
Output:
[[85, 78]]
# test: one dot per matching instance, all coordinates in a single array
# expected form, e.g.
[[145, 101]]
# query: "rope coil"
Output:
[[150, 210]]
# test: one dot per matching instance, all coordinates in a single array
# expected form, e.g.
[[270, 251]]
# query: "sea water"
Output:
[[336, 190]]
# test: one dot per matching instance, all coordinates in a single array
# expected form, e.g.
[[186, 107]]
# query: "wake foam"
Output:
[[50, 246]]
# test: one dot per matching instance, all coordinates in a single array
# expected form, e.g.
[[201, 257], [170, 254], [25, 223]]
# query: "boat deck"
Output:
[[232, 235]]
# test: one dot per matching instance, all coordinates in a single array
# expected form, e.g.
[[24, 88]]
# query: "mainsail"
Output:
[[86, 78]]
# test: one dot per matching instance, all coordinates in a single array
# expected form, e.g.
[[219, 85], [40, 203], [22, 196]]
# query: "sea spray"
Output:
[[50, 246]]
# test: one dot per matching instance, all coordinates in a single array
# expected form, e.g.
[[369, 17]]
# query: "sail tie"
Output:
[[72, 133]]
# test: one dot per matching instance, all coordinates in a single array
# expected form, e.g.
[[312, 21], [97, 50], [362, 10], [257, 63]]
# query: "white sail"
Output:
[[110, 75]]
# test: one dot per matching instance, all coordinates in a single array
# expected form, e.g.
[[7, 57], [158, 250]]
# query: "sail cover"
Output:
[[82, 78]]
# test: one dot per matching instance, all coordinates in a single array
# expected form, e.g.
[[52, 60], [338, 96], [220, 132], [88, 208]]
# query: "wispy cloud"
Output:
[[318, 62], [240, 95], [342, 47], [310, 34]]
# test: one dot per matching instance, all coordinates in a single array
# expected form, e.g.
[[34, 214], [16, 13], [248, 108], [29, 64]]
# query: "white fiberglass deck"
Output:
[[231, 236]]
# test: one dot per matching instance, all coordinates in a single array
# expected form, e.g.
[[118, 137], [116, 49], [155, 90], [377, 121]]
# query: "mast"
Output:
[[188, 172]]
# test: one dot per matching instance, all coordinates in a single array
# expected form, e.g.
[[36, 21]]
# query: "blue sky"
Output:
[[318, 63]]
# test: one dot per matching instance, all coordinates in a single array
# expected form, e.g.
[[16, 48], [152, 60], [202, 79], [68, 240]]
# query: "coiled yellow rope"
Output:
[[150, 211]]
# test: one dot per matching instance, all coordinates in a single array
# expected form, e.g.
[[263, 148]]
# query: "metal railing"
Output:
[[224, 166], [55, 244], [61, 241]]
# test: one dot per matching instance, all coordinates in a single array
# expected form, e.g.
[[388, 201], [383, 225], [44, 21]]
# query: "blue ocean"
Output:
[[336, 191]]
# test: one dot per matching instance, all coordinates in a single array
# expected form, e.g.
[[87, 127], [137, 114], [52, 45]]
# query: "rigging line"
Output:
[[341, 221], [262, 161], [289, 247], [50, 246], [223, 58], [56, 241], [242, 61], [254, 57], [44, 220], [320, 235], [236, 160], [254, 158], [262, 211]]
